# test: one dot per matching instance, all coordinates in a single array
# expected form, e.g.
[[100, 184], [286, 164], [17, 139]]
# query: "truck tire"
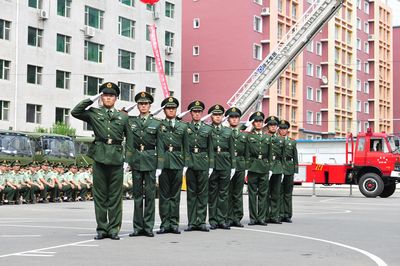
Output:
[[371, 185], [388, 190]]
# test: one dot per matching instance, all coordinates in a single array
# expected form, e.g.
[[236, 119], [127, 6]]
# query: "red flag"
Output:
[[151, 2]]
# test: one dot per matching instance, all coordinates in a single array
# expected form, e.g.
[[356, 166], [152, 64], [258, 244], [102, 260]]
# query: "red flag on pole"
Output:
[[151, 2]]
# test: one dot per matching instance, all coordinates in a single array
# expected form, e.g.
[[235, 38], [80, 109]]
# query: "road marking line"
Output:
[[373, 257], [326, 200], [315, 213], [20, 235], [33, 255], [85, 245], [46, 226]]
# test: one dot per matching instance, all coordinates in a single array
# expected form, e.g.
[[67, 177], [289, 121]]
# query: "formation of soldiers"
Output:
[[215, 159]]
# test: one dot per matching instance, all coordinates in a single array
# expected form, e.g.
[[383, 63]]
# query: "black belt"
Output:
[[198, 150], [219, 150], [261, 157], [289, 159], [172, 148], [110, 141], [143, 147], [237, 154], [276, 158]]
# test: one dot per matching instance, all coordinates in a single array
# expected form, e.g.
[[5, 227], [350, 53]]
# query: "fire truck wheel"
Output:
[[388, 190], [371, 185]]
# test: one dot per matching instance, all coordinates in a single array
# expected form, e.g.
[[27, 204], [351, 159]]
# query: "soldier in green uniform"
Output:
[[67, 188], [235, 209], [258, 154], [3, 171], [224, 169], [200, 165], [37, 185], [290, 167], [81, 176], [18, 176], [173, 135], [109, 126], [276, 167], [145, 158], [12, 189], [46, 181]]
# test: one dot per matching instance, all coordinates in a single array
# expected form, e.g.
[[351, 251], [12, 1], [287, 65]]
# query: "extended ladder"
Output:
[[253, 89]]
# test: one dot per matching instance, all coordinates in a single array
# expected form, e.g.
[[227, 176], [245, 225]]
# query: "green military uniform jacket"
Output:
[[201, 151], [290, 158], [142, 150], [224, 148], [258, 152], [174, 141], [277, 144], [240, 143], [106, 129]]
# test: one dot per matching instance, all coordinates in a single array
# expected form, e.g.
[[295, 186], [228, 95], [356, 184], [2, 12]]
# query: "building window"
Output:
[[358, 23], [4, 110], [196, 77], [310, 46], [337, 78], [348, 37], [169, 38], [310, 115], [358, 64], [94, 17], [318, 48], [358, 106], [257, 24], [126, 27], [34, 74], [33, 113], [64, 8], [91, 85], [5, 27], [310, 93], [358, 44], [294, 89], [310, 69], [366, 7], [348, 105], [358, 85], [318, 95], [196, 50], [337, 30], [147, 33], [366, 67], [35, 37], [279, 86], [366, 27], [63, 44], [359, 4], [280, 4], [126, 59], [310, 137], [128, 2], [366, 107], [359, 129], [280, 31], [150, 7], [196, 23], [35, 3], [93, 52], [366, 87], [337, 55], [257, 51], [294, 11], [293, 65], [151, 91], [62, 115], [169, 68], [169, 10], [127, 91], [260, 2], [5, 69], [279, 110], [366, 125], [318, 71], [366, 47], [294, 114], [318, 119], [63, 79], [150, 64]]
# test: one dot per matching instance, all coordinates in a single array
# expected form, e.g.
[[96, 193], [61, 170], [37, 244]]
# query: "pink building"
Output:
[[396, 80]]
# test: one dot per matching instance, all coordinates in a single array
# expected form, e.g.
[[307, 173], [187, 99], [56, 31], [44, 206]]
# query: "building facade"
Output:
[[332, 88], [56, 53], [396, 80]]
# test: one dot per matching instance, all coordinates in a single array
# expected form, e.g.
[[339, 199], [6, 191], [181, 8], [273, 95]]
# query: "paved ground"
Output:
[[330, 229]]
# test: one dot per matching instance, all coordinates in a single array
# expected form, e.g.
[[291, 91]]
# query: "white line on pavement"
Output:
[[373, 257], [20, 236]]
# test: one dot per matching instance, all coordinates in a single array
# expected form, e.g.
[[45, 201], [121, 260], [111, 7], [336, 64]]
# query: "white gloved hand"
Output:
[[246, 172], [282, 178], [158, 173], [184, 171], [95, 97], [210, 170], [269, 175], [232, 173]]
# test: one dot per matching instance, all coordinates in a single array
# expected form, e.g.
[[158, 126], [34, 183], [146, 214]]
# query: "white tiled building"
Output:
[[54, 53]]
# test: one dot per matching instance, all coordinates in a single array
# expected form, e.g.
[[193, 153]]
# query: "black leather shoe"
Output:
[[213, 227], [204, 228], [262, 223], [272, 221], [236, 224], [189, 229], [224, 226], [100, 236], [135, 233], [175, 231], [252, 223], [149, 234], [114, 236], [162, 231], [287, 220]]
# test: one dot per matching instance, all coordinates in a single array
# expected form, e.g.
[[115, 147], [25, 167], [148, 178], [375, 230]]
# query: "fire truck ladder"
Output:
[[253, 89]]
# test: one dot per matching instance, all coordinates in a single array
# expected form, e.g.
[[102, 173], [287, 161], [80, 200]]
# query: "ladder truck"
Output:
[[251, 93]]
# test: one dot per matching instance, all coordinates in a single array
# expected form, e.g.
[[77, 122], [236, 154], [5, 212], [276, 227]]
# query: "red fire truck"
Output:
[[372, 162]]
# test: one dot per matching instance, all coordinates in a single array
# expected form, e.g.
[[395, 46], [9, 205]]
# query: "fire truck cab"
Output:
[[373, 163]]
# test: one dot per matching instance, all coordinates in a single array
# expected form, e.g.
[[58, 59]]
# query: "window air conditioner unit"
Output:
[[169, 50], [265, 11], [43, 14], [89, 32], [156, 15]]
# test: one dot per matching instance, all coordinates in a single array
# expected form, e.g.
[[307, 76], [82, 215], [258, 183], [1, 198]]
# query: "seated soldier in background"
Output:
[[11, 189], [48, 184], [127, 185]]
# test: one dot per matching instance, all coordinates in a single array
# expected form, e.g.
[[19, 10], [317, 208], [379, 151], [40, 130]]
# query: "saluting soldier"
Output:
[[200, 165], [224, 169], [109, 126], [173, 135], [258, 154], [290, 167], [235, 213], [276, 167], [145, 158]]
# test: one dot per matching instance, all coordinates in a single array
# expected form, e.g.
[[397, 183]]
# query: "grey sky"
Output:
[[395, 5]]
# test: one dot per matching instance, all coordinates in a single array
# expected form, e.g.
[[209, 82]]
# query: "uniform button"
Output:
[[140, 137], [108, 135], [108, 128]]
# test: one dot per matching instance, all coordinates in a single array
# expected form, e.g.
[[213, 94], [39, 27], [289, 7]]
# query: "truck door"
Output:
[[377, 154]]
